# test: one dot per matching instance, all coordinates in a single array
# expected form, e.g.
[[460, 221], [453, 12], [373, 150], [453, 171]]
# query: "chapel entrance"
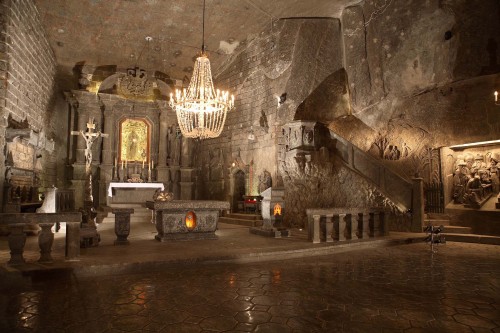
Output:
[[238, 192]]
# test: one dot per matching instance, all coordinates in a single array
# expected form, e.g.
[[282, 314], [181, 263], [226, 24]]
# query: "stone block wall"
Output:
[[27, 71]]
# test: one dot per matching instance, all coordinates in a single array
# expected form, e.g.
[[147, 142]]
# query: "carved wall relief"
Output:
[[400, 141], [475, 177]]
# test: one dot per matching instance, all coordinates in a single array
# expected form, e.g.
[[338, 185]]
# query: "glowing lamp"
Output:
[[190, 220], [277, 209]]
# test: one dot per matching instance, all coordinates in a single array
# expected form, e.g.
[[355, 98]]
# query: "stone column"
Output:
[[366, 225], [342, 226], [376, 224], [108, 155], [329, 228], [417, 219], [83, 118], [353, 226], [316, 238], [162, 170]]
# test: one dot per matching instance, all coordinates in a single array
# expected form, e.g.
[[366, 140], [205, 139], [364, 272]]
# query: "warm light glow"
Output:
[[190, 220], [496, 97], [201, 110], [277, 209]]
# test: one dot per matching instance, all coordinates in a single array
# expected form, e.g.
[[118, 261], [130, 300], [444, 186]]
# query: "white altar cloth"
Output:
[[133, 185]]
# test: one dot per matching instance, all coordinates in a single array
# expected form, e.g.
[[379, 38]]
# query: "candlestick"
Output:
[[143, 163], [122, 164], [116, 162], [149, 166]]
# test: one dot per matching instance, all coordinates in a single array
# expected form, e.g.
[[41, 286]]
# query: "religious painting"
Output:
[[134, 140]]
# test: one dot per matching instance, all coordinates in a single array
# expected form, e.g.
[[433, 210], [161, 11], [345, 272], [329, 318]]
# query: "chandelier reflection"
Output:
[[201, 110]]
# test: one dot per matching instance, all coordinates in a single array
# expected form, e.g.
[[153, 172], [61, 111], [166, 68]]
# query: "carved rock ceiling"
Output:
[[112, 32]]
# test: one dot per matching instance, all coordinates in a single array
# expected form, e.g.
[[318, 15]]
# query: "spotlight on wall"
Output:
[[496, 98], [281, 99]]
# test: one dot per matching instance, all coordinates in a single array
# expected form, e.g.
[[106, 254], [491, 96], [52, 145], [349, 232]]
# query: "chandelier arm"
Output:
[[203, 30]]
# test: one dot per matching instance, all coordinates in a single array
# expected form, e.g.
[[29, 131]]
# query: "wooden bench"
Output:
[[17, 222], [342, 224]]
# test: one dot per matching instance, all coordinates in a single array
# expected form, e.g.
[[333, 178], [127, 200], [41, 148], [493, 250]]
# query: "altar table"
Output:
[[132, 192]]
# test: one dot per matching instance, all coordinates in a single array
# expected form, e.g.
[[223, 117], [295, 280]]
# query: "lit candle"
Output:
[[149, 166], [126, 164], [122, 164], [116, 162], [143, 163], [496, 96], [152, 164]]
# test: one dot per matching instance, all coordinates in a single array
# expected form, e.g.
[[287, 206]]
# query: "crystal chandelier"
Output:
[[201, 110]]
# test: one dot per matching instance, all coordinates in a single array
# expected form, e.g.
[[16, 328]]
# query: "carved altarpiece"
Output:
[[121, 117]]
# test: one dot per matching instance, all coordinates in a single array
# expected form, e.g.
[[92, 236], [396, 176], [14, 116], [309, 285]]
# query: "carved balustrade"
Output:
[[17, 223], [345, 224]]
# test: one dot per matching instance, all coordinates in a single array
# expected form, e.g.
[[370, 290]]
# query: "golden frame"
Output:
[[135, 138]]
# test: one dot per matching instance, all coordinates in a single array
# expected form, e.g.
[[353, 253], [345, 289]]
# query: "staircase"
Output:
[[141, 213], [454, 233], [247, 220]]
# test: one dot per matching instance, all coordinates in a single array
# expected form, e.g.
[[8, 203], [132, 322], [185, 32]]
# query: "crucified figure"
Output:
[[89, 136]]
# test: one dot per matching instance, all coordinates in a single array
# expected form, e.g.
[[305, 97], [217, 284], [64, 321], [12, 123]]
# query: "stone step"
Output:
[[242, 216], [437, 222], [472, 238], [455, 229], [243, 222]]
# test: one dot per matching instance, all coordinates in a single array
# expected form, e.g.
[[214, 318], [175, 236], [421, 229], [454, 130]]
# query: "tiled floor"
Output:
[[402, 288]]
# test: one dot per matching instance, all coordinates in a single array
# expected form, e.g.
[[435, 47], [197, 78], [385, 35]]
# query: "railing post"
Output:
[[45, 241], [342, 226], [316, 219], [353, 223], [17, 240], [365, 227], [329, 228]]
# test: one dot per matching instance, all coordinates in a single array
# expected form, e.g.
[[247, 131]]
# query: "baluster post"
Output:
[[329, 228], [342, 227], [45, 241], [17, 240], [316, 219]]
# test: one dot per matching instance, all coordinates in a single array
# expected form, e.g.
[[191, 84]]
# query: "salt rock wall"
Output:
[[429, 64], [293, 59]]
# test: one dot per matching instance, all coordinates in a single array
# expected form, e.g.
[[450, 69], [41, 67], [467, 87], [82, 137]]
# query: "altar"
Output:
[[186, 219], [131, 192]]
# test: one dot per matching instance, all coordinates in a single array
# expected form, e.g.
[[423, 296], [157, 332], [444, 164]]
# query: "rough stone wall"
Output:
[[293, 58], [424, 66], [27, 70]]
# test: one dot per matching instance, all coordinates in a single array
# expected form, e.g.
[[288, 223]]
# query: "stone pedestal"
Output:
[[122, 225], [272, 209]]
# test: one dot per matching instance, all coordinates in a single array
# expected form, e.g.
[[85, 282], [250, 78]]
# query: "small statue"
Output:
[[163, 195]]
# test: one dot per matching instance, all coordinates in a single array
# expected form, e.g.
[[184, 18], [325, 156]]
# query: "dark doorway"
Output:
[[239, 191]]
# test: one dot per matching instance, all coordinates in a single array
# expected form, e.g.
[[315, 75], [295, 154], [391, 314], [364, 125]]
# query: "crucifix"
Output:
[[89, 136], [88, 201]]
